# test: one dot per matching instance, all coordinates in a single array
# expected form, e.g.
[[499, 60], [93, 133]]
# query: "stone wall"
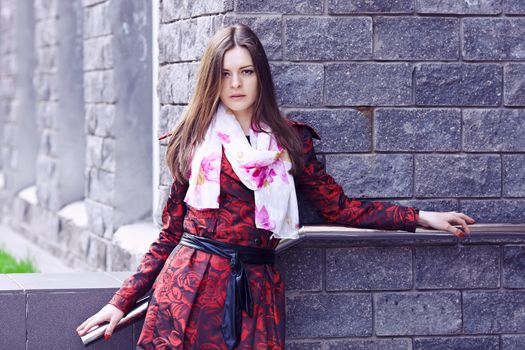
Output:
[[77, 133], [417, 102], [404, 294]]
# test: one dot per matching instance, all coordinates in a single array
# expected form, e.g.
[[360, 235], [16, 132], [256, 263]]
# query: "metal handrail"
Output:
[[333, 232]]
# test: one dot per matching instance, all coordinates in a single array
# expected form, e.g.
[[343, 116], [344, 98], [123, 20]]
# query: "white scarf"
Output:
[[262, 166]]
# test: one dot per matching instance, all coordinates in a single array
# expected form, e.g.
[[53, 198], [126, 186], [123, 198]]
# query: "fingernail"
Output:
[[106, 336]]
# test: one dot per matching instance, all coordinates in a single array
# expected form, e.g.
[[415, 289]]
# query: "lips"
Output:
[[237, 96]]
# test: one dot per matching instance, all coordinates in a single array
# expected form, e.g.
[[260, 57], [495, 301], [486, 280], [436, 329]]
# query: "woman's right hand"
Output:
[[108, 313]]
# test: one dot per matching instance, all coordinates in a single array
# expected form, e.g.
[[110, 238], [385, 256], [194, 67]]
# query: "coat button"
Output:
[[257, 241]]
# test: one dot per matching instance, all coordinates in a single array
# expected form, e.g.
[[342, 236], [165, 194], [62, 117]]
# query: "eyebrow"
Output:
[[250, 65]]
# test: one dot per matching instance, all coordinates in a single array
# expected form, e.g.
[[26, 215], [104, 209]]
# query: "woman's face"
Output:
[[238, 79]]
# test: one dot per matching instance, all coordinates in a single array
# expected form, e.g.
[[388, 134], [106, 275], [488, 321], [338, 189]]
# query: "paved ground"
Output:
[[20, 248]]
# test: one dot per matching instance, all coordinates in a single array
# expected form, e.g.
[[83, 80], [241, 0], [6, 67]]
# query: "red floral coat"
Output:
[[186, 307]]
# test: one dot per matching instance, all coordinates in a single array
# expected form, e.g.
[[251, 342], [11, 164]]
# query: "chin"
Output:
[[238, 106]]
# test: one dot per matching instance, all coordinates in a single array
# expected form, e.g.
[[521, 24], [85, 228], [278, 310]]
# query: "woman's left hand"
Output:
[[443, 221]]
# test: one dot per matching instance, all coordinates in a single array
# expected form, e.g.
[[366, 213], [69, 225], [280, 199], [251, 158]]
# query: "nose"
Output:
[[236, 81]]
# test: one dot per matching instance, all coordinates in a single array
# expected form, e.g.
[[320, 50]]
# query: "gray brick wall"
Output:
[[417, 102], [349, 294], [417, 90]]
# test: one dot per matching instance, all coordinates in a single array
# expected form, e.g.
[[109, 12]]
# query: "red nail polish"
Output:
[[106, 336]]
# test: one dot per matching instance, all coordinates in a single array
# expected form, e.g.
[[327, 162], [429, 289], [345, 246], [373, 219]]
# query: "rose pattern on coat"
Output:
[[186, 307]]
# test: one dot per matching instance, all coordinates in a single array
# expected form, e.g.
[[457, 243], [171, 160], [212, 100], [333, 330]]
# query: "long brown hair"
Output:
[[191, 128]]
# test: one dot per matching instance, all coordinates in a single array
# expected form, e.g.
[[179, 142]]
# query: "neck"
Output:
[[244, 119]]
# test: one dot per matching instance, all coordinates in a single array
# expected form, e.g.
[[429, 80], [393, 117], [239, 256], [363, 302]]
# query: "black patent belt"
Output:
[[238, 295]]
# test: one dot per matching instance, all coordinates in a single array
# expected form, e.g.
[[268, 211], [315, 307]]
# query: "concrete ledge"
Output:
[[48, 308]]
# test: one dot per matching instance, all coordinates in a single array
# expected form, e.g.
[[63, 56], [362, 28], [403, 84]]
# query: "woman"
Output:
[[236, 162]]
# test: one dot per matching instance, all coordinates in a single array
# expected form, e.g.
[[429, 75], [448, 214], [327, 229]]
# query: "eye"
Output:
[[225, 74], [248, 71]]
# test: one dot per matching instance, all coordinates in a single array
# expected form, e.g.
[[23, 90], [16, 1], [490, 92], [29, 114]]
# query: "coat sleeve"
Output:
[[330, 201], [135, 286]]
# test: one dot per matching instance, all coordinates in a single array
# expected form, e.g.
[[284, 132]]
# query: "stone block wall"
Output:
[[76, 124], [404, 294], [417, 102], [423, 100]]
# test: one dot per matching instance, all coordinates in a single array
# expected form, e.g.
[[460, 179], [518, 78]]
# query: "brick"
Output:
[[431, 204], [341, 130], [176, 82], [100, 119], [513, 266], [98, 53], [303, 346], [99, 86], [514, 7], [493, 312], [101, 185], [46, 59], [370, 344], [457, 175], [268, 29], [511, 211], [493, 38], [185, 40], [49, 142], [458, 84], [493, 130], [457, 343], [512, 342], [425, 313], [165, 176], [45, 87], [455, 7], [169, 115], [77, 239], [284, 7], [328, 315], [297, 84], [369, 84], [301, 268], [100, 153], [100, 218], [417, 130], [175, 10], [370, 6], [96, 252], [457, 267], [97, 20], [514, 84], [319, 38], [45, 8], [513, 175], [379, 175], [45, 33], [368, 268], [416, 38]]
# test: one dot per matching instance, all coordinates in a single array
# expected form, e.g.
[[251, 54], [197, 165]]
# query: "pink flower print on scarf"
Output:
[[262, 218], [225, 138], [262, 174], [209, 169]]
